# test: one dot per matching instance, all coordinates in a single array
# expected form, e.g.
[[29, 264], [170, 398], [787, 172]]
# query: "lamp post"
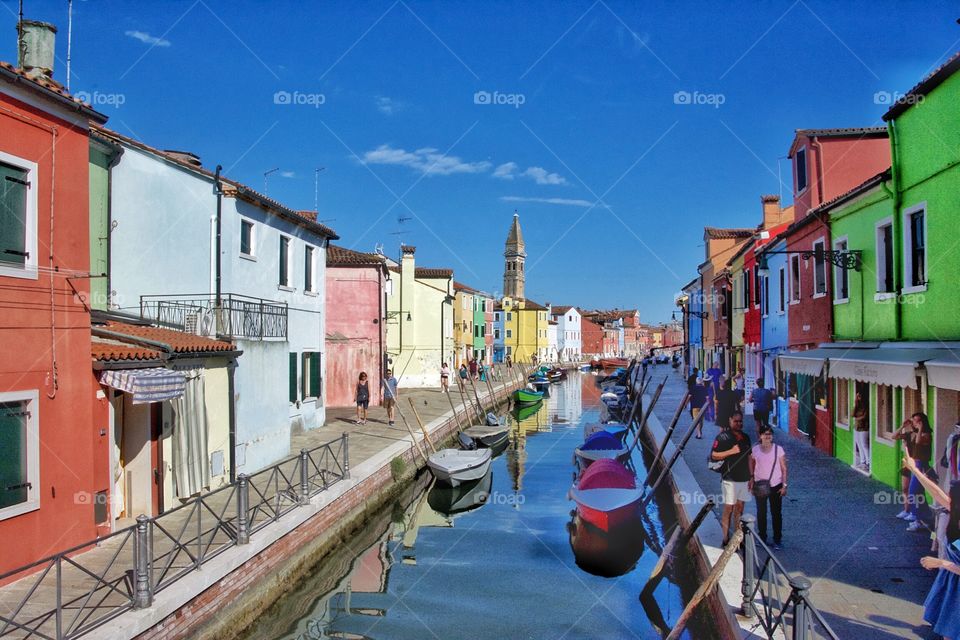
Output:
[[847, 259]]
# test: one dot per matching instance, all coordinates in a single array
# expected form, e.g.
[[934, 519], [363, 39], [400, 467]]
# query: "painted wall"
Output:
[[810, 318], [67, 445], [774, 327], [845, 163], [99, 222], [479, 319], [354, 339], [569, 330], [462, 328], [592, 334]]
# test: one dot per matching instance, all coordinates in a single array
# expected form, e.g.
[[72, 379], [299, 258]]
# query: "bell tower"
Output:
[[514, 257]]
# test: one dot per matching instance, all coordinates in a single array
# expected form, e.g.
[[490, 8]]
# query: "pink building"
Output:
[[356, 309]]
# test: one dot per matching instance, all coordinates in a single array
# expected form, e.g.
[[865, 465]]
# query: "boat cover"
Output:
[[601, 440], [606, 474]]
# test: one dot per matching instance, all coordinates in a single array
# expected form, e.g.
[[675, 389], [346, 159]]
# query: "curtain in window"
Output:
[[190, 429]]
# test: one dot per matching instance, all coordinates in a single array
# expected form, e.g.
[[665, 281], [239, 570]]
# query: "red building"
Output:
[[356, 308], [47, 441], [591, 335]]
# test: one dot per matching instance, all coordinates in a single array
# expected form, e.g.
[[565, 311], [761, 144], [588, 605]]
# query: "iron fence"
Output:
[[75, 591], [235, 316], [779, 600]]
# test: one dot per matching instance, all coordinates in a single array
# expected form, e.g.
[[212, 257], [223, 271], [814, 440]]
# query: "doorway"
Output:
[[136, 469]]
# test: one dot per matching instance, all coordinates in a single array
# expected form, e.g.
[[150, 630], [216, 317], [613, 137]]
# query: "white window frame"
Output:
[[839, 272], [288, 285], [795, 295], [782, 302], [879, 257], [29, 269], [765, 296], [822, 241], [312, 291], [806, 172], [836, 394], [253, 240], [32, 503], [907, 241]]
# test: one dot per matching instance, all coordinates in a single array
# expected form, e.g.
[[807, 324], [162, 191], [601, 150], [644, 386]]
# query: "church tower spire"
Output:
[[514, 255]]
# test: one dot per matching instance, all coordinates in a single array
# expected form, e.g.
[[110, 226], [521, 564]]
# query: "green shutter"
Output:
[[315, 375], [293, 377]]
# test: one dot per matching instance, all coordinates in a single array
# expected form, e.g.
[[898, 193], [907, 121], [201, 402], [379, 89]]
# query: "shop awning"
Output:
[[886, 365], [944, 371], [146, 385], [809, 363]]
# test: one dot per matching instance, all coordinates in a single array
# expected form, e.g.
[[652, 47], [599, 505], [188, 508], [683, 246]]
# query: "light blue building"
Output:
[[774, 312], [498, 346]]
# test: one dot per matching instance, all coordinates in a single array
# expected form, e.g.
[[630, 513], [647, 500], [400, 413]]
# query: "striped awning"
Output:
[[146, 385]]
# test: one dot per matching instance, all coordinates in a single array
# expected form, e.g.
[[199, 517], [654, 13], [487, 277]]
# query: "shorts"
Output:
[[363, 404], [389, 402], [734, 492]]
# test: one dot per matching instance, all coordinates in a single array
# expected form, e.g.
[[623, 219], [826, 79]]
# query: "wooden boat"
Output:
[[613, 363], [522, 412], [466, 497], [613, 428], [607, 495], [486, 435], [557, 375], [525, 396], [601, 446], [454, 467]]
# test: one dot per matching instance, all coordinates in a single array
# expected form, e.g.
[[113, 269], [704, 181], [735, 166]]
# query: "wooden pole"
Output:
[[666, 438], [454, 409], [493, 396], [416, 415], [673, 458], [646, 414], [479, 403], [410, 431], [707, 585], [678, 540], [466, 398]]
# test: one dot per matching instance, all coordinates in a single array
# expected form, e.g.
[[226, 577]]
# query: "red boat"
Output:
[[607, 495], [613, 363]]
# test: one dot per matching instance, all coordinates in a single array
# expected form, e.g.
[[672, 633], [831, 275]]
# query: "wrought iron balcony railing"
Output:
[[236, 316]]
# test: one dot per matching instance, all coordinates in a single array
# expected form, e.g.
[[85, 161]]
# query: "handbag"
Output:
[[762, 488]]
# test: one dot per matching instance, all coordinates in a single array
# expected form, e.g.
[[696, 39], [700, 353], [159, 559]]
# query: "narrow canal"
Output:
[[492, 560]]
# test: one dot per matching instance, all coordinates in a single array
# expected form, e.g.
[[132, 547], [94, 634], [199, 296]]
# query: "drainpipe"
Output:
[[232, 418], [815, 143], [895, 195], [218, 190]]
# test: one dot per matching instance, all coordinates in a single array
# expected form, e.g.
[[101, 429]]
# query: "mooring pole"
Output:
[[673, 459], [666, 438]]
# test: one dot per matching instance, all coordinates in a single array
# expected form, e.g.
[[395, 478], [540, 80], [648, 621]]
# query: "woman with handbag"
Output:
[[768, 483]]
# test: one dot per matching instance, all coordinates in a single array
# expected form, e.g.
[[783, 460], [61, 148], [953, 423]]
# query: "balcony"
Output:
[[236, 317]]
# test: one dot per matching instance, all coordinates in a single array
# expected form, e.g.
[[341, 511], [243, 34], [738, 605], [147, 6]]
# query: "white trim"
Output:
[[878, 254], [907, 237], [29, 269], [908, 290], [886, 295], [837, 271], [794, 299], [822, 241], [806, 173], [783, 290], [32, 503]]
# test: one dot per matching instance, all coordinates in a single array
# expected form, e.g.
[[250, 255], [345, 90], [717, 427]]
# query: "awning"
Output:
[[809, 363], [146, 385], [944, 371], [886, 365]]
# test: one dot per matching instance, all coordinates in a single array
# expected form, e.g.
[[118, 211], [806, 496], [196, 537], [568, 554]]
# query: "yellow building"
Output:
[[525, 327]]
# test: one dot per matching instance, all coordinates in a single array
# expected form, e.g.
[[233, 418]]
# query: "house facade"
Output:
[[592, 337], [463, 323], [569, 339]]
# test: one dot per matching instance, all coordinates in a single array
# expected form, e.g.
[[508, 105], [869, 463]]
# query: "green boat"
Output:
[[522, 413], [525, 396]]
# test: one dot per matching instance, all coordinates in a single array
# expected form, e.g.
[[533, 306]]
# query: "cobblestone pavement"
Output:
[[839, 531]]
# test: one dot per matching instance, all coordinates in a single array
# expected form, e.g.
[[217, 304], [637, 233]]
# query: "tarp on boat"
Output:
[[601, 440], [606, 474]]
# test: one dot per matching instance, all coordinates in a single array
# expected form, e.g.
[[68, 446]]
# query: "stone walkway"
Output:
[[839, 531]]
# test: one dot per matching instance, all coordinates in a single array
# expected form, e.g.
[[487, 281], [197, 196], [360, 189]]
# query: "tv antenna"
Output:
[[316, 189], [266, 174]]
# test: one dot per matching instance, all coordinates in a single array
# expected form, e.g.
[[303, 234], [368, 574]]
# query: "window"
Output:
[[312, 387], [509, 316], [292, 379], [18, 217], [843, 402], [19, 453], [884, 411], [794, 279], [915, 246], [496, 334], [819, 269], [783, 291], [912, 401], [746, 289], [801, 169], [756, 287], [246, 238], [723, 303], [841, 278], [885, 256], [284, 261], [496, 316], [308, 269], [509, 333], [766, 295]]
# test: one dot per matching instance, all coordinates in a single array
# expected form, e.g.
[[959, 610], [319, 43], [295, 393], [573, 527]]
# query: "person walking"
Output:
[[698, 401], [861, 434], [361, 396], [509, 362], [463, 371], [445, 378], [762, 399], [768, 484], [728, 401], [739, 385], [732, 447], [711, 407], [389, 385], [942, 607], [692, 380], [918, 439], [473, 368]]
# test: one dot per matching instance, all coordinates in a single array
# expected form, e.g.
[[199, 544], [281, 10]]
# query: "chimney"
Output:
[[186, 157], [408, 274], [36, 48], [772, 213]]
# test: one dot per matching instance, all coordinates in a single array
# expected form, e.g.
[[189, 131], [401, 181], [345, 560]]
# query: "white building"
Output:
[[553, 350], [266, 292], [569, 340]]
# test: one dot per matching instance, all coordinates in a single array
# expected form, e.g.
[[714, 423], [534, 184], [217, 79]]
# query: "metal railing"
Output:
[[236, 316], [73, 592], [779, 600]]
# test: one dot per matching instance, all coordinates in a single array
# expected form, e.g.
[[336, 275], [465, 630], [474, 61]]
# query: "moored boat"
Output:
[[607, 495], [487, 435], [526, 396], [601, 446], [465, 497], [454, 467], [613, 363]]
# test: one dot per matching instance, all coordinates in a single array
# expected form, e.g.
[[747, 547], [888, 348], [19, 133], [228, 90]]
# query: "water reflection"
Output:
[[606, 553]]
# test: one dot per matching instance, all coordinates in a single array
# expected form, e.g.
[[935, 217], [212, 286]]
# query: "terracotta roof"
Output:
[[50, 89], [864, 186], [110, 351], [924, 87], [530, 304], [842, 132], [459, 286], [178, 341], [715, 233], [552, 322], [427, 272], [560, 309], [341, 257]]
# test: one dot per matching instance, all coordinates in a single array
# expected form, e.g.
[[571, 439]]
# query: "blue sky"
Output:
[[450, 115]]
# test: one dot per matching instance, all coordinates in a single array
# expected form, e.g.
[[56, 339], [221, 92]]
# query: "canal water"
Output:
[[495, 560]]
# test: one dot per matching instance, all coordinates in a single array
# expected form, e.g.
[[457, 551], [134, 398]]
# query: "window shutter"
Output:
[[293, 377], [315, 375]]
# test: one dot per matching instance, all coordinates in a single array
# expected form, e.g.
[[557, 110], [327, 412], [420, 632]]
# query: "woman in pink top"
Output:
[[769, 464]]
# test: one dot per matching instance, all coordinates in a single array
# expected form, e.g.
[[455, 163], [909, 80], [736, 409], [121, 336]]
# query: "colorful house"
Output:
[[592, 336], [356, 290], [719, 246], [774, 314], [419, 321], [463, 318], [482, 327], [525, 330], [569, 339], [48, 439]]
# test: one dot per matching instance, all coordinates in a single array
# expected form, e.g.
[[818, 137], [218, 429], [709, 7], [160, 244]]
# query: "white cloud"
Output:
[[388, 106], [146, 38], [288, 174], [569, 202], [542, 176], [506, 171], [427, 160]]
